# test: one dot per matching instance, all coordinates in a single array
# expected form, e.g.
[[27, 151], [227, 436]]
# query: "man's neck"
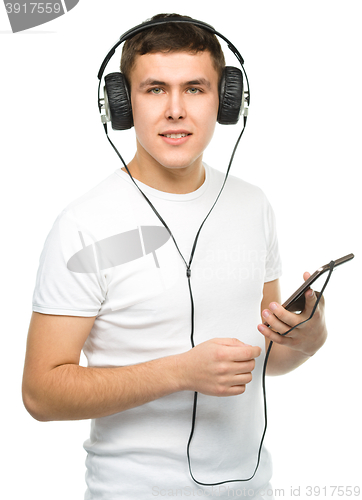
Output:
[[170, 180]]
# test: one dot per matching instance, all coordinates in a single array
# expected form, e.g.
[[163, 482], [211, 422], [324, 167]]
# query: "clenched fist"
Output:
[[218, 367]]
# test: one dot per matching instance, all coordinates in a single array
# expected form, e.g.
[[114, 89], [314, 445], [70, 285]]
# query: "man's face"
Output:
[[175, 102]]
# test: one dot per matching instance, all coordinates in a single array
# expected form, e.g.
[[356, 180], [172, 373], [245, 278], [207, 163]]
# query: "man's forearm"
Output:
[[73, 392], [217, 367]]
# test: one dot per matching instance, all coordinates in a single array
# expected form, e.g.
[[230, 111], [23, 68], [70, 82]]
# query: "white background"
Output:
[[302, 145]]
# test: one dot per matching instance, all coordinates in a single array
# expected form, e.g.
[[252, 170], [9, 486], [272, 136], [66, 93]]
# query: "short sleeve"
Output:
[[60, 288], [273, 265]]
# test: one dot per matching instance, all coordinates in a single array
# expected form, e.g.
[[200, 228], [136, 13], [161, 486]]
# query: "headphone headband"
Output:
[[166, 20]]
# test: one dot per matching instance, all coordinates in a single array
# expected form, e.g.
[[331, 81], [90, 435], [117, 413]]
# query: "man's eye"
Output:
[[193, 90], [156, 90]]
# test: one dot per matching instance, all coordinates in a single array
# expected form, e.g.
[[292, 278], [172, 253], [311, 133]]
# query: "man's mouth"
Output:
[[175, 136]]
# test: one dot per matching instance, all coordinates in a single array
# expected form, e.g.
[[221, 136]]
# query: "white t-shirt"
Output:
[[109, 256]]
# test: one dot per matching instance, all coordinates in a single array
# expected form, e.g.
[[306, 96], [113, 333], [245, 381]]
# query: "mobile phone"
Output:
[[296, 301]]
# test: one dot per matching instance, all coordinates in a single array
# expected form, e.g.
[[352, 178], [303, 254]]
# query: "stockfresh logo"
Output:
[[24, 15], [118, 249]]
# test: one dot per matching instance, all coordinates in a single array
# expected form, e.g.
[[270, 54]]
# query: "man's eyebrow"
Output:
[[200, 81], [151, 82]]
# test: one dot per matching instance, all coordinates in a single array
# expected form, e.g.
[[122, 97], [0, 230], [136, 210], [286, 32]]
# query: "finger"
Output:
[[234, 390], [309, 292], [273, 322], [274, 336], [240, 347], [242, 378], [279, 318], [311, 298], [242, 367], [246, 353], [306, 276]]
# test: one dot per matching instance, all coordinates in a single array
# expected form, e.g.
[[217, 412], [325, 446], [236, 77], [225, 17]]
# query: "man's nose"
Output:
[[175, 106]]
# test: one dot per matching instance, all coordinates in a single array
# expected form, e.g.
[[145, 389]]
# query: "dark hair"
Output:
[[172, 37]]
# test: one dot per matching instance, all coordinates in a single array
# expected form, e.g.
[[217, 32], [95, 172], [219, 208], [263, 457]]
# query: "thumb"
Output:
[[306, 275], [310, 296]]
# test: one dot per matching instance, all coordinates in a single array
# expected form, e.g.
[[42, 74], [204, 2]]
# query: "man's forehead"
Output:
[[162, 67]]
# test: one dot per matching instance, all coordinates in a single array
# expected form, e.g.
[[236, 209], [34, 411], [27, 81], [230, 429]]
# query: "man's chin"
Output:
[[180, 163]]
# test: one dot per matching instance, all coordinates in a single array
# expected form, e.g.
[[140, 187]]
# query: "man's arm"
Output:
[[294, 349], [55, 387]]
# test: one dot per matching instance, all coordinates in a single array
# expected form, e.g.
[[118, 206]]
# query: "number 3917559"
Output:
[[33, 8]]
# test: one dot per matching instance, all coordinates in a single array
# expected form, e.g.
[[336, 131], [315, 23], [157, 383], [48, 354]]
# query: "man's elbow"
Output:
[[34, 406]]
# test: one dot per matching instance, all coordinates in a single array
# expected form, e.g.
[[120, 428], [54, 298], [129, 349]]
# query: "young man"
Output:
[[131, 313]]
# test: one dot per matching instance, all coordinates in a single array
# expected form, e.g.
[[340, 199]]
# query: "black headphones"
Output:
[[233, 99]]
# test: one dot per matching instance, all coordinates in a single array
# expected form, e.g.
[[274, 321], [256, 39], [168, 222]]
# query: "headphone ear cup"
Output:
[[231, 95], [118, 101]]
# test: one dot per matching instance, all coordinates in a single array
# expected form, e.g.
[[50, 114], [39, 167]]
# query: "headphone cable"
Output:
[[188, 274], [331, 267]]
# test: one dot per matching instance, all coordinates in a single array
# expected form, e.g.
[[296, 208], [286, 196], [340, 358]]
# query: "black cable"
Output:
[[222, 187], [188, 274], [331, 267]]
